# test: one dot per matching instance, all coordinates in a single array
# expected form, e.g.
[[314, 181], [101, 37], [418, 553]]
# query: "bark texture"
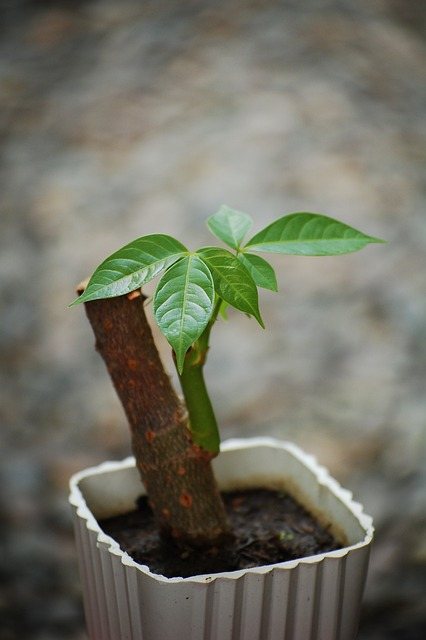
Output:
[[176, 472]]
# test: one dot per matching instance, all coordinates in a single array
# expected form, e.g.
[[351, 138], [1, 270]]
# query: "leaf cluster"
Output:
[[195, 286]]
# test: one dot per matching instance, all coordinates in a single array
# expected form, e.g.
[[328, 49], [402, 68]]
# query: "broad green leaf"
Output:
[[261, 271], [183, 304], [309, 234], [233, 283], [132, 266], [230, 226]]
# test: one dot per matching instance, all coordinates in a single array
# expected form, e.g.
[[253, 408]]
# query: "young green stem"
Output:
[[202, 420]]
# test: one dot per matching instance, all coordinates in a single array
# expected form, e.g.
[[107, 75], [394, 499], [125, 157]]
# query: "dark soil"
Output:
[[268, 526]]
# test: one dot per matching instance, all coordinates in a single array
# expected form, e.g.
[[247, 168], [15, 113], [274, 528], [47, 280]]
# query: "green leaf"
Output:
[[132, 266], [261, 271], [309, 234], [183, 303], [233, 283], [230, 226]]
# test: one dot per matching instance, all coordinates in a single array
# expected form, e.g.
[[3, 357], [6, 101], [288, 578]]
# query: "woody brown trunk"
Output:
[[176, 473]]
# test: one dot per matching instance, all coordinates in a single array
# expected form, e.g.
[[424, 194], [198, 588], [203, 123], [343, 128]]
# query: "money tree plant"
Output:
[[174, 439]]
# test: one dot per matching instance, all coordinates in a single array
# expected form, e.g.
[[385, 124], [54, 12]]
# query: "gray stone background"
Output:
[[120, 119]]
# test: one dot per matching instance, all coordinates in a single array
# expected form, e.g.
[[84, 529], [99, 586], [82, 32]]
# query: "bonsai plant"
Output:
[[174, 441]]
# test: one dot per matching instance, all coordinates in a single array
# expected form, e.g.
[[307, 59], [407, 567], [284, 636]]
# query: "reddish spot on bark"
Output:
[[200, 454], [181, 471], [132, 383], [132, 364], [185, 499], [150, 435], [107, 325]]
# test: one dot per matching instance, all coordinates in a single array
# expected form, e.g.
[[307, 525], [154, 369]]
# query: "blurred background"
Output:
[[120, 119]]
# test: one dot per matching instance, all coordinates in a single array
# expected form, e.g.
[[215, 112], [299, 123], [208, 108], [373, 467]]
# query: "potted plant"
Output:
[[175, 443]]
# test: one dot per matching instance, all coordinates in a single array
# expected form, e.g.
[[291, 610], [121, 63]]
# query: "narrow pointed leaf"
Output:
[[233, 283], [309, 234], [132, 266], [260, 270], [230, 226], [183, 303]]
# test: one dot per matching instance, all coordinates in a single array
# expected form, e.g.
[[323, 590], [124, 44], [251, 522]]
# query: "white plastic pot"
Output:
[[315, 598]]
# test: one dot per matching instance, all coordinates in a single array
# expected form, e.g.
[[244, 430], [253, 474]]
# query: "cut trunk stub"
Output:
[[186, 505]]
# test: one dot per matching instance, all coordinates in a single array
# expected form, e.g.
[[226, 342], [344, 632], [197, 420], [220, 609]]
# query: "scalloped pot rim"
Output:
[[321, 474]]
